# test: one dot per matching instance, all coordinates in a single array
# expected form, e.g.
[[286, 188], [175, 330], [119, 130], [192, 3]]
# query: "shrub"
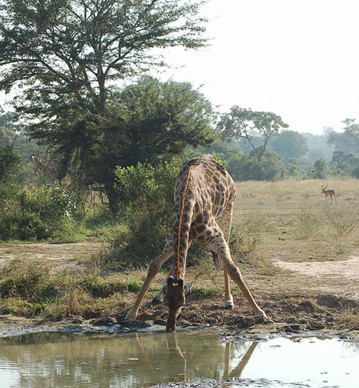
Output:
[[319, 169], [33, 214], [28, 280], [268, 167], [9, 163], [146, 209]]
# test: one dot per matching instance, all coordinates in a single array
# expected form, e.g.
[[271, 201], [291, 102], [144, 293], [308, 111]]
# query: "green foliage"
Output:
[[269, 167], [319, 169], [289, 144], [33, 214], [206, 291], [27, 280], [245, 123], [292, 168], [134, 285], [9, 163], [345, 163], [156, 120], [348, 140], [62, 57], [113, 40], [147, 193]]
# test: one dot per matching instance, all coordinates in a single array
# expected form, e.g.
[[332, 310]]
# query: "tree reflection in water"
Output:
[[131, 360], [143, 359]]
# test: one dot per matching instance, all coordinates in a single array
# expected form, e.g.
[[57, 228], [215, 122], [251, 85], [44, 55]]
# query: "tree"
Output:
[[150, 121], [153, 120], [9, 163], [269, 167], [245, 123], [347, 141], [319, 169], [345, 162], [64, 55], [289, 144]]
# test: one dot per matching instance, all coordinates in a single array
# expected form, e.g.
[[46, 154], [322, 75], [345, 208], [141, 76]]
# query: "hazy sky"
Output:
[[296, 58]]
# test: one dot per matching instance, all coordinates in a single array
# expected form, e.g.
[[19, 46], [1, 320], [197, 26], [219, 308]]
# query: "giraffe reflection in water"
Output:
[[174, 360]]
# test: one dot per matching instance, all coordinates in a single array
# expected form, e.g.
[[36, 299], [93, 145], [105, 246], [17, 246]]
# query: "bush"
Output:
[[32, 214], [268, 167], [319, 169], [27, 280], [146, 209], [9, 163]]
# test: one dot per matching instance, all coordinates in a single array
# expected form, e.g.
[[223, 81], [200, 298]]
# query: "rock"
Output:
[[335, 301], [90, 314], [105, 321]]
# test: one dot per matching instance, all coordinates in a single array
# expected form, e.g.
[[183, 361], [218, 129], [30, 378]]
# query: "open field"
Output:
[[298, 253]]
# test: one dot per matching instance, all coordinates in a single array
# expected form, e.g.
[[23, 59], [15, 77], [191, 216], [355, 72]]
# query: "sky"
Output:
[[296, 58]]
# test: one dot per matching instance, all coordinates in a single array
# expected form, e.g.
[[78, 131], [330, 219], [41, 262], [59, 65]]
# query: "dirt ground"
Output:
[[298, 297], [60, 255]]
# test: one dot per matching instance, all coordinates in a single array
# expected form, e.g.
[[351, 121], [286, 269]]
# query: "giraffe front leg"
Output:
[[220, 246], [152, 272]]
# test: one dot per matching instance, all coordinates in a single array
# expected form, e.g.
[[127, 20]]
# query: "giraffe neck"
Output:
[[48, 171], [180, 224]]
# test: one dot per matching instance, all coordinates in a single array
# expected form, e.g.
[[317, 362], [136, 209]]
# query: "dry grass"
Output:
[[295, 222], [286, 220]]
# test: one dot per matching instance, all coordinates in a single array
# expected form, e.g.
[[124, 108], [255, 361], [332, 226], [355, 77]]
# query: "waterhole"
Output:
[[158, 359]]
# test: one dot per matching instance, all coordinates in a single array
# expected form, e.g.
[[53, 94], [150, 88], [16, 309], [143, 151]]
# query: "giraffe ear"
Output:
[[188, 287]]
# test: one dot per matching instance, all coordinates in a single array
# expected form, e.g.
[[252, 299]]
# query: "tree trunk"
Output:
[[113, 200]]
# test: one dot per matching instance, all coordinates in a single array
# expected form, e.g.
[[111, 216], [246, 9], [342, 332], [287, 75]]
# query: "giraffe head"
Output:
[[174, 297]]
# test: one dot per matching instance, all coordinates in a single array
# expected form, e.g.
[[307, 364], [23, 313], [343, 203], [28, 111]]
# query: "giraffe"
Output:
[[203, 206], [48, 172]]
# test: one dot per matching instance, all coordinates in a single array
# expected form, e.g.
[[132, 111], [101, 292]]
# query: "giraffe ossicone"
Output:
[[204, 197]]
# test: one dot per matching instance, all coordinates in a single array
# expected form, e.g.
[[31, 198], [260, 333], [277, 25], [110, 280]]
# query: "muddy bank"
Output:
[[232, 382], [15, 326], [298, 297]]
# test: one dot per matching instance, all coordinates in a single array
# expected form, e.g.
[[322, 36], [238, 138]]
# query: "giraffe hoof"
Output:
[[262, 318], [131, 315], [156, 301], [229, 306]]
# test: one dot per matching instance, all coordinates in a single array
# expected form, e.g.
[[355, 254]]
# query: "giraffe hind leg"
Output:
[[225, 224], [219, 245]]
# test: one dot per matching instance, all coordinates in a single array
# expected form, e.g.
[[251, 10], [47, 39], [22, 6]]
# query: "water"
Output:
[[144, 359]]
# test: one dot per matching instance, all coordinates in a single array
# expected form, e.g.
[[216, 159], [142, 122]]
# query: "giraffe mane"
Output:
[[184, 196]]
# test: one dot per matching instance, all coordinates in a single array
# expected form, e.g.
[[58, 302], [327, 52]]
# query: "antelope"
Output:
[[328, 193]]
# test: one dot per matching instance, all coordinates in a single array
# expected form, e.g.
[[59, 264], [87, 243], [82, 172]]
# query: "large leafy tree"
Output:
[[348, 140], [289, 144], [150, 121], [63, 55], [247, 124], [158, 120]]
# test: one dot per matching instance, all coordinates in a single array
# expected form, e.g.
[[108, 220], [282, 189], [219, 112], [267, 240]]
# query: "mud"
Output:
[[232, 383], [298, 297]]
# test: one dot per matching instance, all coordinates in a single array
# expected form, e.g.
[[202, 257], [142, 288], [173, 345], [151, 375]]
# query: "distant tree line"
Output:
[[82, 100]]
